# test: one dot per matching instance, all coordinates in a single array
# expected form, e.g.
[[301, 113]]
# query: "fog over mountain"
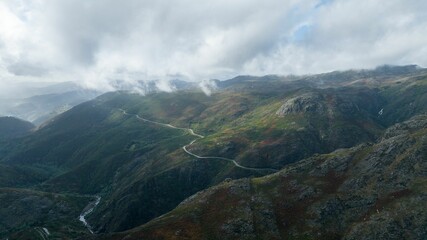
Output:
[[97, 43]]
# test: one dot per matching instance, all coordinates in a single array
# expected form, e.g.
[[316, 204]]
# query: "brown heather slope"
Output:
[[372, 191]]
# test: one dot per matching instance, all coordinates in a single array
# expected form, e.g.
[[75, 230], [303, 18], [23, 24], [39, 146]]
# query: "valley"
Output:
[[260, 158]]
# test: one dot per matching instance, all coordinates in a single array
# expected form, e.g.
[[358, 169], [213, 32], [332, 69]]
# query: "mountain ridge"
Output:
[[141, 171]]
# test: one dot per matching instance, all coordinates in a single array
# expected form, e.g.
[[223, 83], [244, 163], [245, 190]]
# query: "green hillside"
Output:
[[372, 191], [136, 163], [11, 127], [26, 212]]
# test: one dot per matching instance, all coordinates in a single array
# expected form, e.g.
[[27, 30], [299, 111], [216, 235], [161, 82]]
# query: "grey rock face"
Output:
[[415, 123], [318, 103], [309, 102]]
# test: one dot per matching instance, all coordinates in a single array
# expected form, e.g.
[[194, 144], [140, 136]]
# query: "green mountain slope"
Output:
[[26, 213], [140, 170], [11, 127], [372, 191]]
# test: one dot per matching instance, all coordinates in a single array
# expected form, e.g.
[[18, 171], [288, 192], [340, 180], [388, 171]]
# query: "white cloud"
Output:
[[101, 41], [208, 86]]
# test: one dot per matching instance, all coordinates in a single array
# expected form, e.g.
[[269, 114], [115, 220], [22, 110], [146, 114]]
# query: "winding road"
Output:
[[191, 132]]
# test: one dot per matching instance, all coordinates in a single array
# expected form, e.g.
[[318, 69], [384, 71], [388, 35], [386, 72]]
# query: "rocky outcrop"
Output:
[[309, 102], [414, 124], [318, 102]]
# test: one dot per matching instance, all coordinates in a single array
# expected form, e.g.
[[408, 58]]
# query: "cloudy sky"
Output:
[[94, 42]]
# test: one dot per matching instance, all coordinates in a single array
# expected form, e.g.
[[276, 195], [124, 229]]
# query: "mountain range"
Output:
[[339, 155]]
